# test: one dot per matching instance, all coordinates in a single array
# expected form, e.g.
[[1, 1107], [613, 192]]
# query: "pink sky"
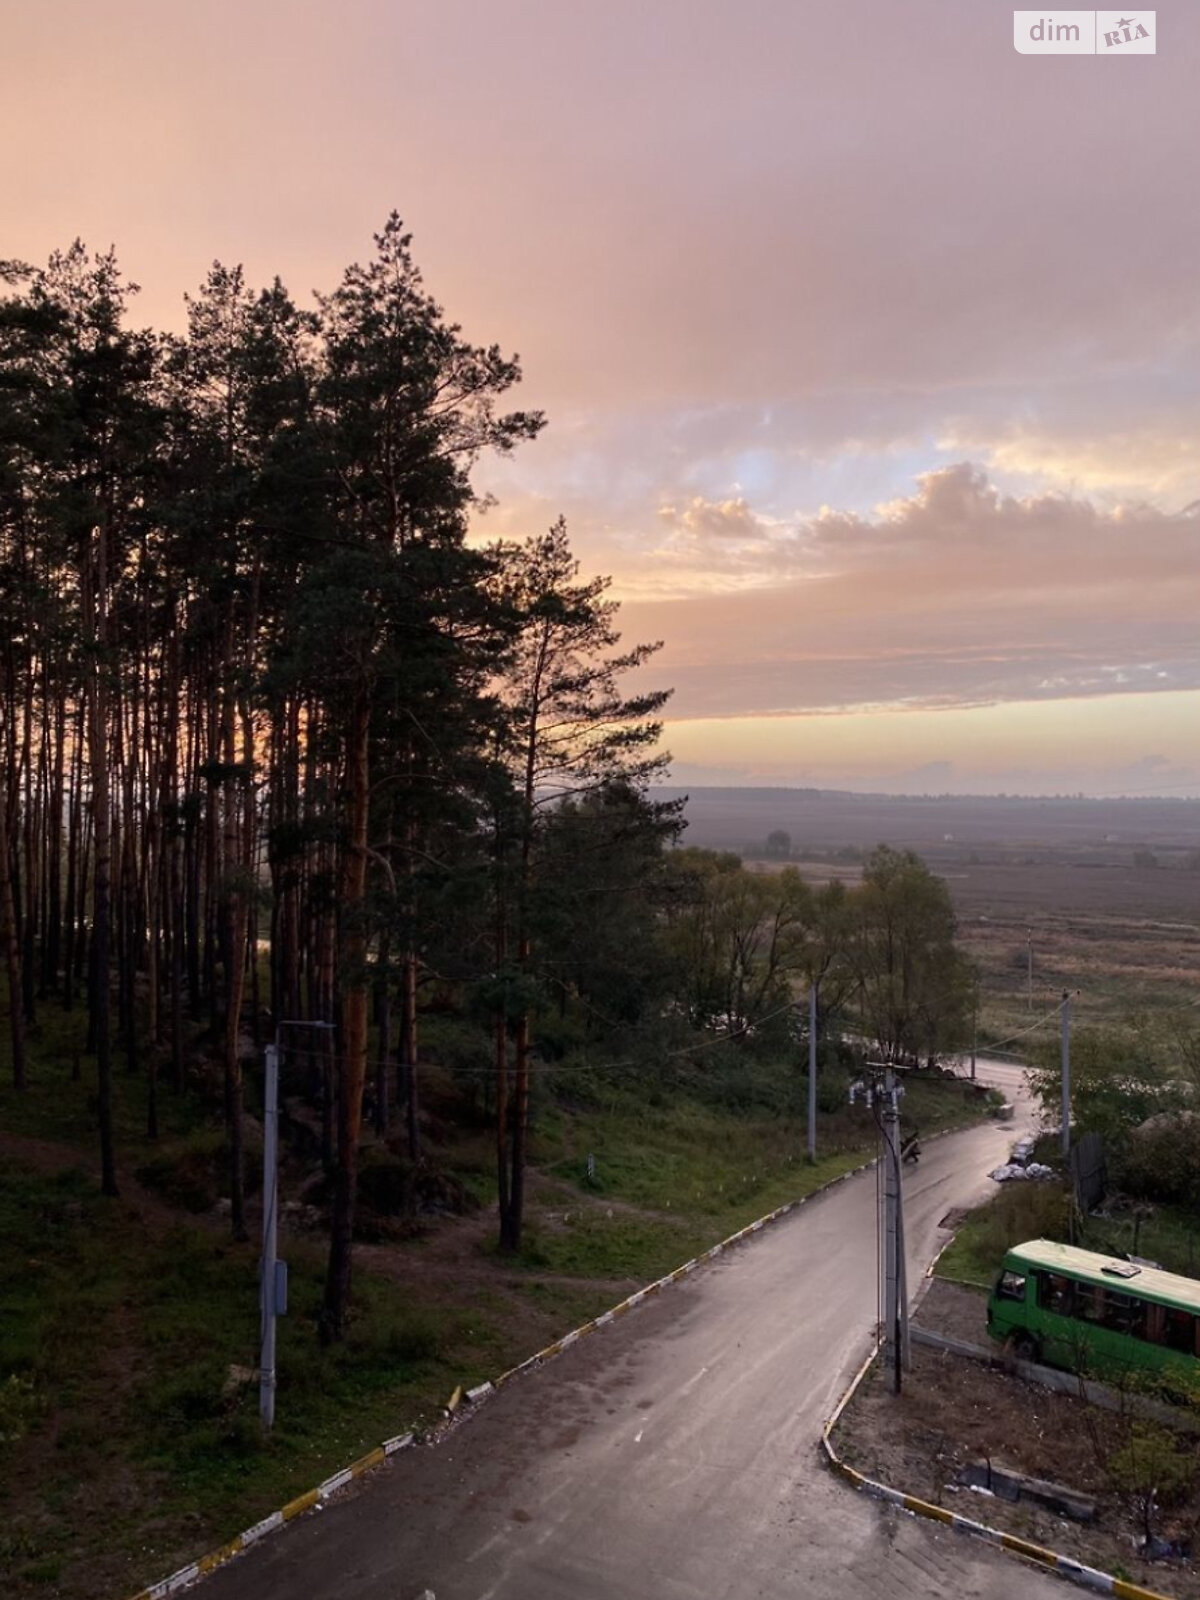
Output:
[[869, 346]]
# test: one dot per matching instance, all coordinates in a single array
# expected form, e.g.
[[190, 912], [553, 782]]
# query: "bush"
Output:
[[393, 1186], [1023, 1211], [193, 1176], [1019, 1212], [1162, 1159], [1117, 1083], [19, 1406], [1152, 1469]]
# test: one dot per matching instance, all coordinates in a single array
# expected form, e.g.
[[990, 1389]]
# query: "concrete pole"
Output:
[[812, 1073], [266, 1389], [1066, 1073], [891, 1255], [974, 1031], [902, 1270]]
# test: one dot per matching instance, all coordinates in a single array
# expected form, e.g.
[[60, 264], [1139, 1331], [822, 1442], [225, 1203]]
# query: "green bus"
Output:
[[1093, 1314]]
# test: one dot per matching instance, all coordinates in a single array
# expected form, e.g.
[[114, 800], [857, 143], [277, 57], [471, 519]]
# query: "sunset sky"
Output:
[[869, 346]]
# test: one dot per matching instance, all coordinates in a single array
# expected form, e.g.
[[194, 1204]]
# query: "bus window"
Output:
[[1054, 1293], [1089, 1303], [1125, 1314], [1180, 1331], [1011, 1286]]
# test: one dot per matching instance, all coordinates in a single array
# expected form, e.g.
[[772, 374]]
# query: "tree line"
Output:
[[283, 746], [258, 691]]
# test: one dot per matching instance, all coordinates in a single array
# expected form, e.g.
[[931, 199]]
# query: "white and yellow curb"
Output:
[[317, 1497], [1065, 1566], [556, 1349], [259, 1530]]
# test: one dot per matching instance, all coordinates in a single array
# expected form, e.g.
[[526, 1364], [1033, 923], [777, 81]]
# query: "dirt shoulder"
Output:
[[955, 1411]]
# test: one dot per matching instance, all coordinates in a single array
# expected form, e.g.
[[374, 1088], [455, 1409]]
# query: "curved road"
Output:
[[672, 1454]]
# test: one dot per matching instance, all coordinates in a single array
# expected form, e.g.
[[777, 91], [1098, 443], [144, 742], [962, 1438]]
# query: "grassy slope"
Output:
[[122, 1453]]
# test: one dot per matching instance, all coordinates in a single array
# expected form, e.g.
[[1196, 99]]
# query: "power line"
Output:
[[563, 1066], [1032, 1028]]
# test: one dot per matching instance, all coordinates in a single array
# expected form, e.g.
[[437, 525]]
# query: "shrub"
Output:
[[1152, 1469], [19, 1406], [1162, 1159], [193, 1176]]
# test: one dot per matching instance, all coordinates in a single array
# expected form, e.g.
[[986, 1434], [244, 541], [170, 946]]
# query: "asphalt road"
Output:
[[673, 1453]]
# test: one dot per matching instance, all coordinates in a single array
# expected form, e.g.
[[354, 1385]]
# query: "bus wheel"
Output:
[[1025, 1347]]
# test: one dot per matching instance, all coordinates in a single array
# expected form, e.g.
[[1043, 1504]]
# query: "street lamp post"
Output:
[[272, 1289]]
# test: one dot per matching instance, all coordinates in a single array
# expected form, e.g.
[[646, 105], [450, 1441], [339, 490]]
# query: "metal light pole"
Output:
[[272, 1290]]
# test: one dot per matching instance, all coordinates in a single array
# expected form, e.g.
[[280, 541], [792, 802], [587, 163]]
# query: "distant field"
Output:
[[1108, 830], [1126, 935]]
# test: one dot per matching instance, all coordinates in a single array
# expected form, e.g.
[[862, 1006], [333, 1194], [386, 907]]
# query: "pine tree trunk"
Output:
[[12, 950], [354, 1022], [75, 875], [383, 1022], [408, 1052], [234, 947], [100, 960]]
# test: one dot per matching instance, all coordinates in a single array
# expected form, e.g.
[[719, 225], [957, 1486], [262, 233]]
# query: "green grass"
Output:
[[124, 1453], [692, 1159], [1017, 1212], [115, 1348], [1023, 1211], [1170, 1236], [58, 1105], [695, 1174]]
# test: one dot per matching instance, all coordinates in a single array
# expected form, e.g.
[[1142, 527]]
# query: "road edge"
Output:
[[200, 1568], [1088, 1577], [203, 1565]]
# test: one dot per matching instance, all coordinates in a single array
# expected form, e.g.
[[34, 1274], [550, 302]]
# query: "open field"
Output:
[[728, 819], [1074, 876]]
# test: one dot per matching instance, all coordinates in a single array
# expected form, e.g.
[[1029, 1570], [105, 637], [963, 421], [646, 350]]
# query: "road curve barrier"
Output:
[[316, 1498], [1088, 1577], [288, 1513]]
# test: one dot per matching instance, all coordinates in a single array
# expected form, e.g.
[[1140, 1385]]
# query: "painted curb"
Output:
[[540, 1357], [317, 1497], [1064, 1566], [259, 1530]]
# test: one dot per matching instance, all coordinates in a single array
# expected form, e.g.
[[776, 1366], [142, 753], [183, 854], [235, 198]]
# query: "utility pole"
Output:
[[895, 1300], [974, 1029], [886, 1092], [1029, 963], [1066, 1073], [272, 1287], [812, 1072]]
